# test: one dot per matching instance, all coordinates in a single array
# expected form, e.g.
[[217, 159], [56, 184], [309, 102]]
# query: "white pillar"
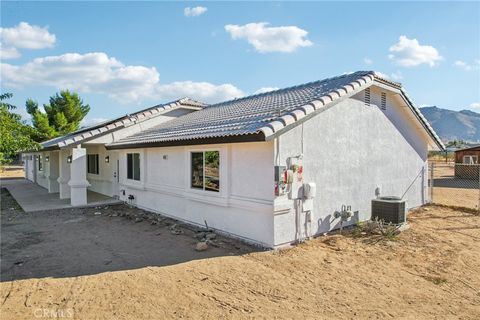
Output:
[[64, 174], [25, 165], [53, 172], [78, 177]]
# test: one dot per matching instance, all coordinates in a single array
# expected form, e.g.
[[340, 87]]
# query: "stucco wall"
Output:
[[350, 150], [242, 208]]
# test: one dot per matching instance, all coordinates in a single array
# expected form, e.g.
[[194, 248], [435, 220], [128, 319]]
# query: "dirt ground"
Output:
[[452, 191], [75, 242], [429, 271], [12, 172]]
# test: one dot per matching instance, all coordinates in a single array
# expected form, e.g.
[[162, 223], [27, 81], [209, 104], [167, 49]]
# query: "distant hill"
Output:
[[454, 125]]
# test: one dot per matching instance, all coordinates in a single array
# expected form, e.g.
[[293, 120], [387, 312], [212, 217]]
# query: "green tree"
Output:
[[62, 115], [15, 134]]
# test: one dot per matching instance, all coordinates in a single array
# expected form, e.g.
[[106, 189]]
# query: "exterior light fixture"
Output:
[[69, 159], [47, 158], [107, 159]]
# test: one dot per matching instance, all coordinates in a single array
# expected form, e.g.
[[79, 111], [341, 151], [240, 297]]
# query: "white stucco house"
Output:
[[354, 136]]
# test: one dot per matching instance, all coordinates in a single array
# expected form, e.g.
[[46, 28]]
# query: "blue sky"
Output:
[[122, 56]]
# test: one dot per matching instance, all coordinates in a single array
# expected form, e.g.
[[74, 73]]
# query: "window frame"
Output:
[[473, 159], [40, 163], [97, 163], [204, 176], [131, 175]]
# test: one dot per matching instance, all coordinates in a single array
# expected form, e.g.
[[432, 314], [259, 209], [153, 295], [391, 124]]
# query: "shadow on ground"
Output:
[[76, 241]]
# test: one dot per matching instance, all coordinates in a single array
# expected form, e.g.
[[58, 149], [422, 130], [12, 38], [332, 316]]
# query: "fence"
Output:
[[455, 184]]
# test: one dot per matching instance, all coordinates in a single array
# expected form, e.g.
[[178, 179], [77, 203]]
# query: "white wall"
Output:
[[242, 208], [349, 150]]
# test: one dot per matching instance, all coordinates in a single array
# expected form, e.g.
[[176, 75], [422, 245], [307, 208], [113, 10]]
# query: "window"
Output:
[[40, 163], [206, 170], [133, 166], [470, 159], [92, 163]]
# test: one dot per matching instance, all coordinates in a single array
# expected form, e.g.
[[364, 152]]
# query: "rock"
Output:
[[200, 235], [97, 213], [114, 215], [201, 246], [173, 226], [153, 222], [176, 231], [137, 220], [210, 236]]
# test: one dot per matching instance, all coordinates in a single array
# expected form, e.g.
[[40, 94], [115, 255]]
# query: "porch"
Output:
[[32, 197], [67, 179]]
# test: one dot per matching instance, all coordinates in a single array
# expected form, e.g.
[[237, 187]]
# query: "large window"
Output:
[[206, 170], [92, 163], [133, 166]]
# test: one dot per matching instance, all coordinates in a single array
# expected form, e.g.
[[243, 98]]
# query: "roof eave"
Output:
[[252, 137]]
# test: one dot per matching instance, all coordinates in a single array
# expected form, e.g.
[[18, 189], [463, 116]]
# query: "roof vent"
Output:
[[367, 97], [383, 104]]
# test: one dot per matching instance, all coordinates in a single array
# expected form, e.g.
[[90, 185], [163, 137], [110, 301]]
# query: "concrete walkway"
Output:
[[32, 197]]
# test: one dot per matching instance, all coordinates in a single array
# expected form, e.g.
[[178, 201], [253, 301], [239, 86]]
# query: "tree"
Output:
[[62, 115], [15, 134]]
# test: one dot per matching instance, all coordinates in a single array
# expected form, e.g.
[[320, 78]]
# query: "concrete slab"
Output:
[[31, 197]]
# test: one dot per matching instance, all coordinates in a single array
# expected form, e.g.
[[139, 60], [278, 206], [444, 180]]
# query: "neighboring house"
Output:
[[466, 163], [468, 155], [354, 136]]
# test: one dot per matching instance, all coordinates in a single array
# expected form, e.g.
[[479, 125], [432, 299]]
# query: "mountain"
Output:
[[454, 125]]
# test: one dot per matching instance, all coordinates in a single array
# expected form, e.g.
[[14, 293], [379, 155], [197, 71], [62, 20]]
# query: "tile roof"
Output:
[[267, 112], [98, 130]]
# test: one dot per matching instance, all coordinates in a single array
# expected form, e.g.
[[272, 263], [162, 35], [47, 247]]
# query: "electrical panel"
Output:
[[294, 178], [309, 192]]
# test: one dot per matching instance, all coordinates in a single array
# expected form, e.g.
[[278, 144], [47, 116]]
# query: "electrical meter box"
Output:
[[280, 185], [294, 178]]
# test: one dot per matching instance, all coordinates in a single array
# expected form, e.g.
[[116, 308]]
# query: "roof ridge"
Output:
[[306, 84]]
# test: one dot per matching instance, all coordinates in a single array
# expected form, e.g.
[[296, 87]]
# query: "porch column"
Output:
[[25, 165], [78, 177], [64, 174], [53, 172]]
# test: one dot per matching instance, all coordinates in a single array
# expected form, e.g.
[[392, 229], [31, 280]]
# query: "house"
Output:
[[246, 166], [466, 163], [468, 155]]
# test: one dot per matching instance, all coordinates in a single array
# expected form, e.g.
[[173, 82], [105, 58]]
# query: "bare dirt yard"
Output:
[[430, 271], [453, 191]]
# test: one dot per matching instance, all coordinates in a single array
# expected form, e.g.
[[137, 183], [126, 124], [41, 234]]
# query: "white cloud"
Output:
[[367, 60], [96, 72], [87, 122], [466, 66], [265, 89], [270, 39], [194, 12], [475, 106], [24, 36], [8, 52], [397, 75], [202, 91], [409, 53]]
